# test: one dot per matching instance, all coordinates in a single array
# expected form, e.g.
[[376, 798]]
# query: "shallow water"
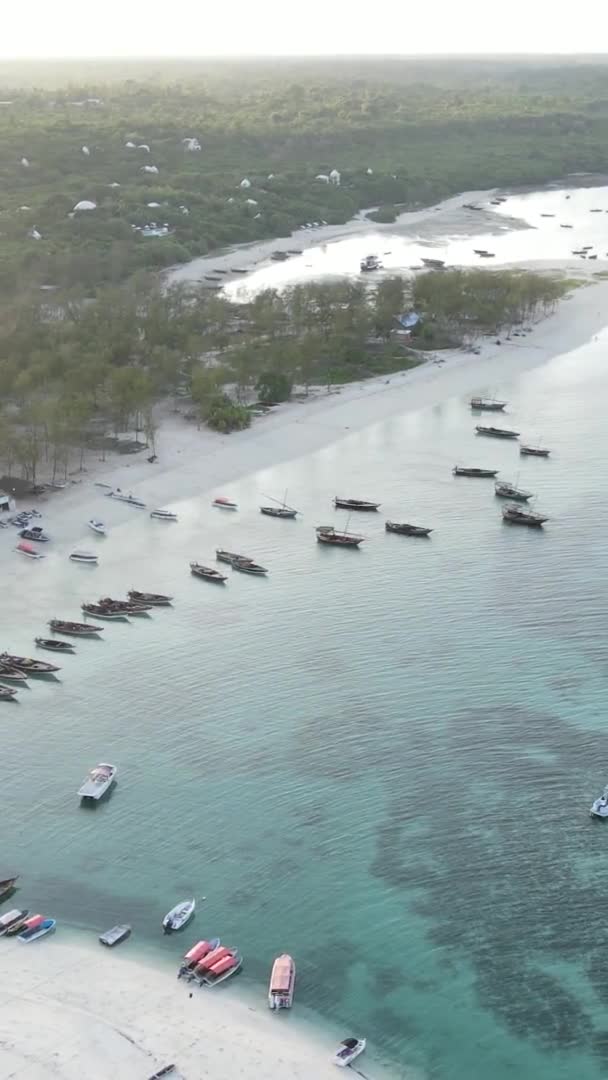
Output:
[[379, 760]]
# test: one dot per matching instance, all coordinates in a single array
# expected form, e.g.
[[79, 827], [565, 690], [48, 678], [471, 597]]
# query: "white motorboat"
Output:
[[179, 916], [222, 503], [37, 929], [98, 781], [83, 556], [348, 1050], [599, 807], [130, 499], [97, 527], [164, 515]]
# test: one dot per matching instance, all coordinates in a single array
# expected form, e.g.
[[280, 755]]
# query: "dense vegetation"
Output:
[[399, 132]]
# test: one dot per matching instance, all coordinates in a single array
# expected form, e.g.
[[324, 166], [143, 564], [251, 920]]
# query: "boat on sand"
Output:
[[37, 930], [195, 955], [348, 1050], [282, 982]]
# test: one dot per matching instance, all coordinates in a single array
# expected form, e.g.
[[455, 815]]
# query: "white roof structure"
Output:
[[149, 168], [154, 204], [334, 176], [245, 183], [86, 204], [270, 176], [252, 202]]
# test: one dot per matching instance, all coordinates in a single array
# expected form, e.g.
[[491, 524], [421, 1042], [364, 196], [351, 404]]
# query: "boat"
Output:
[[566, 226], [123, 607], [599, 807], [11, 674], [131, 500], [153, 599], [326, 534], [115, 935], [516, 515], [207, 573], [27, 549], [99, 780], [74, 629], [433, 264], [97, 526], [248, 566], [547, 215], [229, 556], [534, 451], [179, 916], [100, 612], [509, 491], [46, 926], [496, 432], [84, 557], [163, 515], [215, 969], [10, 918], [165, 1071], [487, 255], [35, 532], [487, 404], [461, 470], [369, 263], [31, 922], [54, 646], [223, 503], [348, 1050], [195, 955], [17, 927], [406, 530], [28, 665], [7, 693], [7, 885], [279, 256], [281, 510], [355, 504], [282, 982]]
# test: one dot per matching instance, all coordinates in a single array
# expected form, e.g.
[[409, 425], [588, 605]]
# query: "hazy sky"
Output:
[[74, 28]]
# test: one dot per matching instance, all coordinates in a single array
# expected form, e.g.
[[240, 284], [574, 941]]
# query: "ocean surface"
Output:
[[378, 760]]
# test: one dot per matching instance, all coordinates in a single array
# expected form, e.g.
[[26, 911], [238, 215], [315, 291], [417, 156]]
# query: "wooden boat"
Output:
[[487, 255], [7, 885], [370, 263], [28, 550], [54, 646], [480, 251], [179, 916], [28, 665], [462, 470], [216, 968], [11, 674], [248, 566], [326, 534], [348, 1050], [433, 264], [35, 532], [163, 515], [496, 432], [84, 557], [281, 510], [18, 926], [99, 780], [100, 612], [487, 404], [37, 930], [282, 983], [165, 1071], [153, 599], [7, 693], [355, 504], [229, 556], [534, 451], [75, 629], [195, 955], [97, 526], [279, 256], [547, 215], [207, 573], [124, 607], [115, 935], [406, 530], [516, 515], [131, 500], [509, 491], [10, 918], [566, 226], [222, 503]]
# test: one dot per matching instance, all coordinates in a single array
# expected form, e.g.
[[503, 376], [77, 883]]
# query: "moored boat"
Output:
[[165, 1071], [7, 693], [229, 556], [179, 916], [433, 264], [369, 263], [11, 674], [54, 646], [405, 529], [516, 515], [7, 885], [115, 935], [248, 566], [487, 404], [31, 922], [28, 664], [222, 503], [84, 557], [282, 982], [131, 500], [509, 491], [215, 969], [153, 599], [123, 607], [163, 515], [35, 532], [348, 1050], [17, 927], [10, 918], [599, 807], [326, 534], [208, 573], [97, 526], [32, 933], [281, 510], [534, 451], [100, 612], [355, 504], [462, 470], [496, 432], [195, 955], [99, 780], [75, 629], [28, 550]]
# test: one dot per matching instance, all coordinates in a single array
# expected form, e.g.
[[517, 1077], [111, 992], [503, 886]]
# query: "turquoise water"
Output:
[[379, 760]]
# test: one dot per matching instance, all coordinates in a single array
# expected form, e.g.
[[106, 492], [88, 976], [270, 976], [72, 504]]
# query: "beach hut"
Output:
[[85, 204]]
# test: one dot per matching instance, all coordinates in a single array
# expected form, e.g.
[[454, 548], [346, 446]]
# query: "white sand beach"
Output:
[[81, 1012]]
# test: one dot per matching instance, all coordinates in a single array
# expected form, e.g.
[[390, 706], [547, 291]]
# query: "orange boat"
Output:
[[282, 982], [195, 955], [218, 966]]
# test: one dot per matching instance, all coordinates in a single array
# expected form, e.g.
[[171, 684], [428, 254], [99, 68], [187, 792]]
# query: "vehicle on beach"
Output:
[[326, 534], [115, 935], [179, 916], [348, 1050], [223, 503], [355, 504], [97, 526], [282, 982], [29, 665], [99, 780], [75, 629], [406, 530], [195, 955], [208, 573], [463, 470], [496, 432], [37, 930], [54, 646], [84, 557]]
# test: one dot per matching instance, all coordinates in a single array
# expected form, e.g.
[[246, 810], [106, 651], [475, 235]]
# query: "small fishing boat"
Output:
[[487, 255], [54, 646], [326, 534], [207, 573], [10, 918], [131, 500], [516, 515], [406, 530], [348, 1050], [7, 885], [496, 432], [433, 264], [30, 923], [11, 674], [222, 503], [248, 566], [229, 556], [153, 599], [163, 515], [355, 504], [179, 916], [509, 491], [195, 955], [279, 256], [75, 629], [370, 263], [35, 532], [281, 510], [97, 527], [487, 404], [282, 982], [461, 470], [7, 693], [100, 612], [566, 226], [599, 807], [18, 926], [115, 935], [124, 607], [46, 926], [547, 215], [534, 451], [28, 665], [165, 1071], [84, 557], [28, 550], [99, 780], [215, 969]]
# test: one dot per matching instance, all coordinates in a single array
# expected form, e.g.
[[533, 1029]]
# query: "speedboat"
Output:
[[97, 527], [34, 533], [131, 500], [84, 557], [348, 1050], [37, 930], [98, 781], [10, 918], [599, 808], [225, 504], [282, 983], [179, 916], [164, 515], [195, 955]]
